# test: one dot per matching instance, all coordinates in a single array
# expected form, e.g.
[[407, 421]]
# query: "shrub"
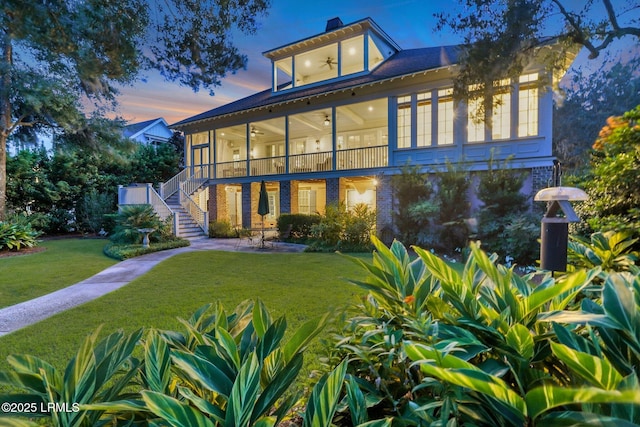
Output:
[[92, 211], [411, 189], [431, 345], [453, 208], [222, 229], [344, 230], [17, 236], [300, 226], [126, 251], [131, 218]]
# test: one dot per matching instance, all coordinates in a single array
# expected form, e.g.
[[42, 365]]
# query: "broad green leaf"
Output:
[[521, 340], [581, 419], [618, 302], [23, 381], [30, 365], [80, 375], [578, 318], [265, 422], [596, 371], [226, 341], [118, 406], [203, 405], [303, 335], [261, 319], [271, 338], [560, 293], [203, 371], [278, 386], [490, 386], [356, 402], [157, 363], [547, 397], [173, 411], [324, 398], [244, 393]]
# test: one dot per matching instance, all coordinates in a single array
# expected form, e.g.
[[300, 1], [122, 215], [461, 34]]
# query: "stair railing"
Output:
[[170, 187], [188, 188]]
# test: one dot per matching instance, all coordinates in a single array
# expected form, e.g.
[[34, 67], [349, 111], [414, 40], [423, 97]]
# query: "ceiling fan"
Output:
[[329, 62], [255, 132]]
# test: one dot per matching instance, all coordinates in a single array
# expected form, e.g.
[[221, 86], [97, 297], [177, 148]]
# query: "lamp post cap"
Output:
[[560, 193]]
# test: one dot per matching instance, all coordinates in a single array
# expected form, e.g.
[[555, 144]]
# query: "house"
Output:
[[346, 110], [150, 132]]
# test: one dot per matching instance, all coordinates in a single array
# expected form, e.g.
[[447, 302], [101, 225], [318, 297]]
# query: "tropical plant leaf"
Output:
[[261, 318], [277, 386], [581, 419], [356, 402], [176, 413], [157, 363], [521, 340], [203, 405], [596, 371], [303, 335], [546, 397], [203, 372], [619, 303], [324, 398], [244, 393]]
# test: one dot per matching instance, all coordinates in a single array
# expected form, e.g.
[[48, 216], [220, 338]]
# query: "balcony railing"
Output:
[[362, 158], [268, 166], [312, 162], [353, 158]]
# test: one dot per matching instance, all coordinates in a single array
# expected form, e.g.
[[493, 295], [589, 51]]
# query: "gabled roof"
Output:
[[135, 129], [402, 63], [335, 30]]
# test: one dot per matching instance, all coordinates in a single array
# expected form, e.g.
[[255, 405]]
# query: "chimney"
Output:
[[333, 24]]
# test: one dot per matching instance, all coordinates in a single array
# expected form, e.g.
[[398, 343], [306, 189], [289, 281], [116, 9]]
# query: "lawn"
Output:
[[300, 286], [63, 263]]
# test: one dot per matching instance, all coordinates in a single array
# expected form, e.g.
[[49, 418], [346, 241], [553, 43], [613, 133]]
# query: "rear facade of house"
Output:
[[348, 108]]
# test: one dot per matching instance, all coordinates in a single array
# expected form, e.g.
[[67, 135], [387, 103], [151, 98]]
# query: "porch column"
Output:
[[246, 205], [333, 190], [212, 206], [384, 207], [285, 197]]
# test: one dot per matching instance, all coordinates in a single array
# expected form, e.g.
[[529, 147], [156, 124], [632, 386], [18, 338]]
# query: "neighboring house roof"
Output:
[[154, 129], [402, 63]]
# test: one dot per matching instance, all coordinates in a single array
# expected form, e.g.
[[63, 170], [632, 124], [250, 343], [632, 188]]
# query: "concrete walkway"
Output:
[[29, 312]]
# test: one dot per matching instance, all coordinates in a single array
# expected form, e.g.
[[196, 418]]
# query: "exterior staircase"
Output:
[[188, 228]]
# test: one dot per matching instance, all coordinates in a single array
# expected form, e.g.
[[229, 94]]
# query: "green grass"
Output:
[[300, 286], [64, 263]]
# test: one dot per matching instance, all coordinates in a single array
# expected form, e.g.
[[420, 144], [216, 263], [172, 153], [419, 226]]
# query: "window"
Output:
[[352, 55], [445, 117], [307, 202], [528, 105], [404, 122], [424, 120], [475, 122]]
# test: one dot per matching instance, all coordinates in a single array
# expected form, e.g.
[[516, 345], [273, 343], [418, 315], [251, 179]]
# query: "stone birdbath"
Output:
[[145, 232]]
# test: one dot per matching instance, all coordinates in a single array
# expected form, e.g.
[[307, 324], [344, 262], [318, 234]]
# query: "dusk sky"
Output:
[[410, 23]]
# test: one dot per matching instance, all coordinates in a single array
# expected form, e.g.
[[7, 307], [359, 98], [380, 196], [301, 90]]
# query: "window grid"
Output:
[[501, 116], [424, 120], [404, 122], [445, 117], [475, 127], [528, 105]]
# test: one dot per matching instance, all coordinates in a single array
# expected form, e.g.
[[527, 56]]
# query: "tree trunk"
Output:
[[5, 118]]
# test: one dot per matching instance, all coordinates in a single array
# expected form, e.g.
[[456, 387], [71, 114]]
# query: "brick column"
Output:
[[212, 206], [285, 197], [294, 197], [246, 205], [333, 190], [384, 207]]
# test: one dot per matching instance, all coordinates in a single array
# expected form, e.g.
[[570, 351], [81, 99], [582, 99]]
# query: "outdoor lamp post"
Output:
[[554, 233]]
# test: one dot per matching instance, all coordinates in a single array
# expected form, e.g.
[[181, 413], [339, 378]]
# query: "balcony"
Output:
[[353, 158]]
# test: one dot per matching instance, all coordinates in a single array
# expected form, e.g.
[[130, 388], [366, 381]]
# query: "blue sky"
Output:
[[409, 22]]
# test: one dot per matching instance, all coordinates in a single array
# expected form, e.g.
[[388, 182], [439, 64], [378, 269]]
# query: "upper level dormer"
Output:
[[341, 51]]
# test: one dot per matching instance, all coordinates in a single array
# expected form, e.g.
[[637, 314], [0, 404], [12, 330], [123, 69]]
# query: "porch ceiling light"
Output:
[[327, 122]]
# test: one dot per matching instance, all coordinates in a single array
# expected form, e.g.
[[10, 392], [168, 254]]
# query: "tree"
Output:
[[54, 54], [502, 36], [612, 180], [590, 98]]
